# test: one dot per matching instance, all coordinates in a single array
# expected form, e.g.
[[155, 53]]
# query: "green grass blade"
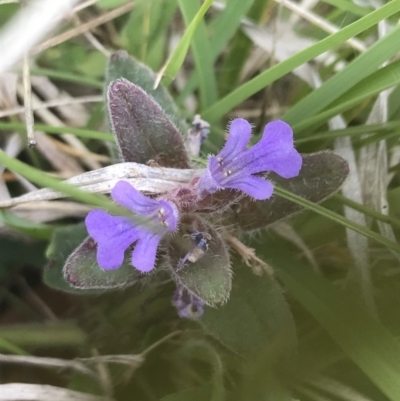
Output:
[[367, 211], [9, 347], [67, 76], [349, 6], [202, 55], [337, 218], [279, 70], [226, 24], [54, 334], [351, 131], [369, 344], [363, 66], [372, 85], [175, 61], [36, 230], [40, 178], [222, 29], [84, 133]]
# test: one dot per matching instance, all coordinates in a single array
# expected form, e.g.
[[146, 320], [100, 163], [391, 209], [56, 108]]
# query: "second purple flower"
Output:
[[114, 234]]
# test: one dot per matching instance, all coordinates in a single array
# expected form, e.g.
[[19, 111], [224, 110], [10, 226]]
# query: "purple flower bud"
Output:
[[187, 304], [114, 234], [234, 167]]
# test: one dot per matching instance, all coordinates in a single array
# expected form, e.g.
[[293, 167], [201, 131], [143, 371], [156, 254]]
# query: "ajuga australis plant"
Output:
[[177, 232]]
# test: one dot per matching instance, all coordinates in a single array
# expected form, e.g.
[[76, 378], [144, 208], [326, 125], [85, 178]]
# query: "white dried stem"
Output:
[[47, 363], [38, 18], [29, 120], [152, 180], [39, 392], [91, 38], [84, 5]]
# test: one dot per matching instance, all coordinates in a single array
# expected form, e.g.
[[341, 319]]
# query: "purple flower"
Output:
[[188, 305], [114, 234], [234, 167]]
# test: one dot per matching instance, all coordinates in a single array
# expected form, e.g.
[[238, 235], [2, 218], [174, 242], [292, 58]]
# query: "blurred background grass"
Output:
[[330, 69]]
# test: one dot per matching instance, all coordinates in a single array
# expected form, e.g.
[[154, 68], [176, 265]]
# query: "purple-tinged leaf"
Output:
[[122, 65], [143, 131], [199, 260], [82, 271], [321, 176]]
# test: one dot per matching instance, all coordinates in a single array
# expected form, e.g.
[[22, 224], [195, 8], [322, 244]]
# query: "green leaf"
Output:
[[175, 61], [72, 265], [367, 342], [255, 317], [203, 351], [122, 65], [209, 277], [143, 131], [321, 176], [279, 70]]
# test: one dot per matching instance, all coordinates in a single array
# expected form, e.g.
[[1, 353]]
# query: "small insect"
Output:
[[200, 240]]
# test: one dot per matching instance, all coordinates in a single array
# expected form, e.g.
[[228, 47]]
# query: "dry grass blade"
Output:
[[29, 120], [83, 28], [43, 212], [320, 22], [131, 360], [351, 188], [38, 392], [84, 5], [54, 103], [153, 180], [47, 363]]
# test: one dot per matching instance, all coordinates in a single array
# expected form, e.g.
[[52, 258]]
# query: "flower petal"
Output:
[[274, 152], [211, 180], [144, 254], [256, 187], [238, 138], [127, 196], [113, 236]]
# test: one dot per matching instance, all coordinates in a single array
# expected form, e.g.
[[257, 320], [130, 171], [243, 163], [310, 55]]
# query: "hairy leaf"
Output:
[[255, 317], [143, 131], [72, 265], [321, 176], [63, 242], [82, 271], [209, 277], [122, 65]]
